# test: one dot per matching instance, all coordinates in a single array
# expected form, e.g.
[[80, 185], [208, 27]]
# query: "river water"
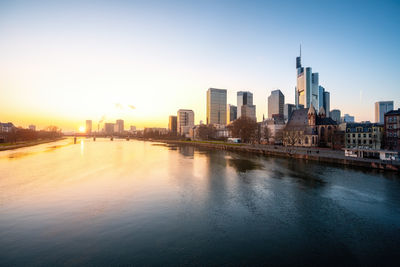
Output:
[[140, 203]]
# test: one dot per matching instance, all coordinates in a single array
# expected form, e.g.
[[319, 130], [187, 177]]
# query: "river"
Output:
[[124, 202]]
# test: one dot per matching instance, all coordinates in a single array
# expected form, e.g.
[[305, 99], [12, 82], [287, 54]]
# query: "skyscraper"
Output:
[[324, 100], [276, 102], [185, 120], [243, 98], [216, 106], [381, 108], [287, 110], [173, 124], [249, 111], [88, 126], [231, 113], [307, 90], [335, 115], [119, 126], [109, 128]]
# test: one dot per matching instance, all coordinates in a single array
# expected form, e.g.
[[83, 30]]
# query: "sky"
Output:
[[63, 62]]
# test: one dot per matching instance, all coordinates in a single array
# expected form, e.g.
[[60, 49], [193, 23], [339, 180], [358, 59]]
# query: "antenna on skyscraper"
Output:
[[300, 50]]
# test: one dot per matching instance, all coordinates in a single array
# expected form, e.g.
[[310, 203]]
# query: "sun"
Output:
[[81, 129]]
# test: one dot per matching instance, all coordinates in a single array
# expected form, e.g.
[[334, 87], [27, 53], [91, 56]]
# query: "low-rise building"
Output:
[[392, 130], [271, 130], [364, 135]]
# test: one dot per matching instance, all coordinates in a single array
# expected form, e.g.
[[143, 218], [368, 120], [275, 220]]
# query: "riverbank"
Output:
[[26, 144], [314, 154]]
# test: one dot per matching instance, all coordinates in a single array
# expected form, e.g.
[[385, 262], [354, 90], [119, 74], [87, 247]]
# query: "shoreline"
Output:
[[319, 155], [28, 144]]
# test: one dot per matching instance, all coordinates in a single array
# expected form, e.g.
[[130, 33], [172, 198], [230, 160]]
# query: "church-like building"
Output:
[[306, 128]]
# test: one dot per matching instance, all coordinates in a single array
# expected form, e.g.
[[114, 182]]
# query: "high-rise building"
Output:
[[119, 126], [88, 126], [185, 120], [132, 129], [173, 124], [231, 113], [216, 106], [249, 111], [327, 103], [108, 128], [381, 108], [276, 102], [335, 115], [347, 118], [32, 127], [287, 110], [307, 90], [243, 98]]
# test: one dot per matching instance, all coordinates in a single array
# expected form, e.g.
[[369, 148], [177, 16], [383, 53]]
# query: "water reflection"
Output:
[[137, 203]]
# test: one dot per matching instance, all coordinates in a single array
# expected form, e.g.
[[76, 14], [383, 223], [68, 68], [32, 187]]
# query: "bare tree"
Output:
[[245, 128]]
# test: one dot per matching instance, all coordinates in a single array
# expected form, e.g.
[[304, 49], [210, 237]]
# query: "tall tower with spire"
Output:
[[307, 91]]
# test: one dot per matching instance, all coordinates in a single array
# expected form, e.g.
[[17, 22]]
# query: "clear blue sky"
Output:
[[78, 59]]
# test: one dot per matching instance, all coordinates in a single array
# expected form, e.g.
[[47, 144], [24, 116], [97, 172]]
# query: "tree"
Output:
[[245, 128], [206, 132]]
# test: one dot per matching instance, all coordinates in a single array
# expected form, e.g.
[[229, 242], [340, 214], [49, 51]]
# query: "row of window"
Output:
[[359, 142], [392, 134], [392, 126], [359, 135], [391, 119]]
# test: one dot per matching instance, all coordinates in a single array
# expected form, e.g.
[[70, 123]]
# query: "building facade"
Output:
[[335, 115], [381, 108], [173, 124], [249, 111], [392, 130], [119, 126], [306, 128], [288, 110], [108, 128], [243, 98], [276, 102], [216, 106], [88, 128], [231, 113], [347, 118], [364, 135], [185, 121], [307, 89]]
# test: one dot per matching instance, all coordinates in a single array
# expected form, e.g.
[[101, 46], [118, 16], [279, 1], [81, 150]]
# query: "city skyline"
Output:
[[144, 58]]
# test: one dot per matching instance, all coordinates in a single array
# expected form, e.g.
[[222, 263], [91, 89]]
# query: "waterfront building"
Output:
[[381, 108], [276, 102], [32, 127], [272, 130], [88, 127], [347, 118], [243, 98], [364, 135], [185, 120], [119, 126], [132, 129], [7, 127], [249, 111], [216, 106], [231, 113], [335, 115], [392, 130], [307, 89], [309, 129], [108, 128], [173, 124]]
